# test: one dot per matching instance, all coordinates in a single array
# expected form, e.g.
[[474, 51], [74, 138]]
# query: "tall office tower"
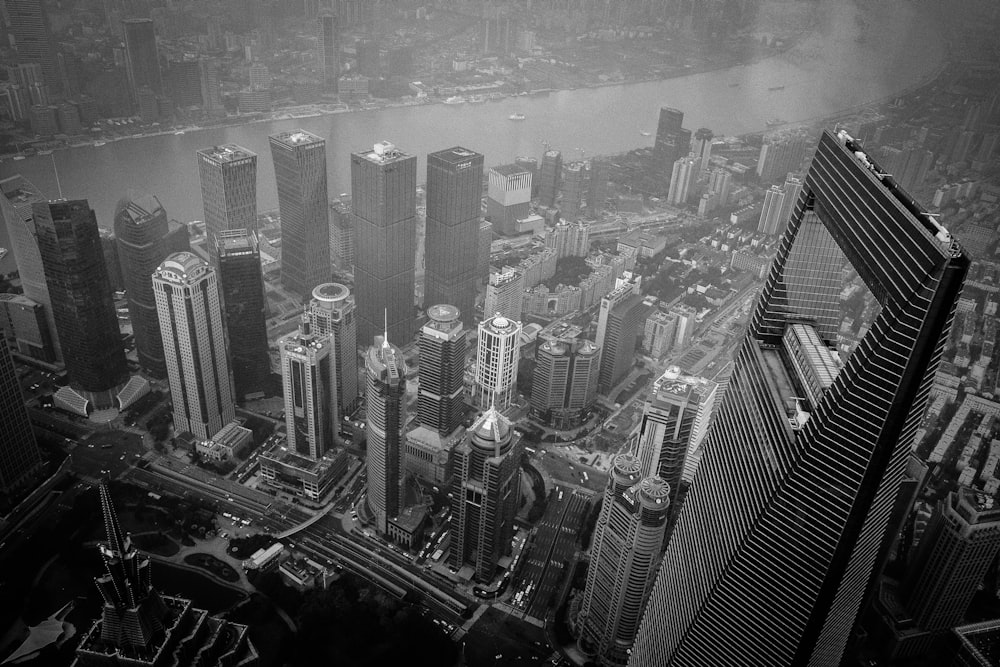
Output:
[[778, 156], [568, 239], [497, 355], [327, 52], [242, 285], [300, 171], [483, 253], [310, 390], [29, 25], [672, 141], [24, 328], [386, 402], [674, 421], [211, 89], [141, 230], [383, 197], [505, 293], [792, 190], [19, 195], [703, 147], [70, 247], [487, 490], [443, 348], [142, 64], [627, 543], [549, 178], [228, 191], [19, 457], [564, 385], [573, 179], [138, 626], [341, 235], [508, 197], [454, 196], [530, 164], [201, 384], [770, 214], [597, 186], [720, 182], [682, 180], [773, 552], [109, 246], [618, 349], [331, 312]]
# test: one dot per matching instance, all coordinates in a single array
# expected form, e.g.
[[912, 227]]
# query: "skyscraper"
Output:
[[508, 196], [19, 457], [773, 551], [443, 347], [190, 311], [141, 234], [499, 349], [778, 156], [454, 195], [386, 402], [383, 198], [618, 339], [573, 185], [485, 496], [310, 390], [332, 313], [564, 385], [228, 190], [624, 556], [505, 293], [327, 52], [792, 190], [672, 141], [674, 421], [770, 214], [549, 175], [682, 180], [19, 194], [242, 286], [300, 171], [142, 63], [70, 247], [29, 25]]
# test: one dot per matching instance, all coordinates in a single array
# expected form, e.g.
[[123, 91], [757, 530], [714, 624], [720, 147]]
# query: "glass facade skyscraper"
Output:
[[443, 348], [386, 402], [451, 242], [774, 550], [332, 312], [228, 176], [19, 457]]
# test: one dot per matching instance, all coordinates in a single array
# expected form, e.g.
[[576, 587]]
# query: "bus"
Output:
[[437, 555]]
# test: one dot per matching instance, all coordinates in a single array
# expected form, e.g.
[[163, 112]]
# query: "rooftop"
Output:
[[297, 138], [383, 152], [981, 641], [509, 169], [236, 241], [330, 292], [226, 153], [454, 155], [20, 191], [674, 384]]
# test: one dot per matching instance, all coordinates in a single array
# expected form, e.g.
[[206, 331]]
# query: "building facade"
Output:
[[443, 352], [142, 63], [549, 174], [310, 391], [564, 386], [508, 197], [228, 176], [332, 313], [20, 460], [505, 293], [328, 52], [499, 347], [386, 401]]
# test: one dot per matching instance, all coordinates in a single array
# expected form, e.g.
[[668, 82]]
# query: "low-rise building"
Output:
[[284, 470]]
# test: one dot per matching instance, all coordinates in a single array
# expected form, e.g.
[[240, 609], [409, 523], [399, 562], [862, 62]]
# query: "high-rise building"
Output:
[[29, 26], [573, 182], [142, 63], [597, 186], [228, 190], [195, 348], [505, 293], [770, 214], [383, 198], [138, 625], [682, 180], [564, 385], [141, 234], [548, 178], [627, 542], [485, 496], [778, 156], [443, 348], [530, 164], [508, 196], [24, 328], [300, 171], [451, 241], [618, 351], [672, 141], [483, 252], [703, 147], [792, 190], [327, 52], [341, 235], [310, 390], [332, 313], [19, 195], [816, 471], [245, 312], [385, 398], [19, 457], [70, 247], [498, 351], [978, 644], [674, 421], [720, 182]]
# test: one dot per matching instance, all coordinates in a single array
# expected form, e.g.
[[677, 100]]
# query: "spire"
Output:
[[118, 542], [385, 328]]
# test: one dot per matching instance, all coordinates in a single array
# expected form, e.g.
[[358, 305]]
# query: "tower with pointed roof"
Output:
[[385, 393], [486, 489]]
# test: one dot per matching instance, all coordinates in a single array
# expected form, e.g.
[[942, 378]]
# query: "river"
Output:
[[828, 72]]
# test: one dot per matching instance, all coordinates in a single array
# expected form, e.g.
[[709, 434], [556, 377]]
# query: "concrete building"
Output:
[[498, 351], [505, 293], [228, 176], [682, 181], [310, 391], [508, 197], [770, 214], [443, 352], [549, 178], [24, 327], [564, 387], [332, 313], [386, 403], [573, 184]]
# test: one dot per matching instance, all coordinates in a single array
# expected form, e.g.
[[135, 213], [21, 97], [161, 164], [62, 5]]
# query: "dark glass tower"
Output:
[[443, 348], [33, 38], [386, 402], [242, 287], [549, 178], [19, 458], [383, 198], [327, 52], [454, 193], [228, 175], [300, 171], [141, 60], [773, 552], [70, 246], [141, 232], [672, 141]]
